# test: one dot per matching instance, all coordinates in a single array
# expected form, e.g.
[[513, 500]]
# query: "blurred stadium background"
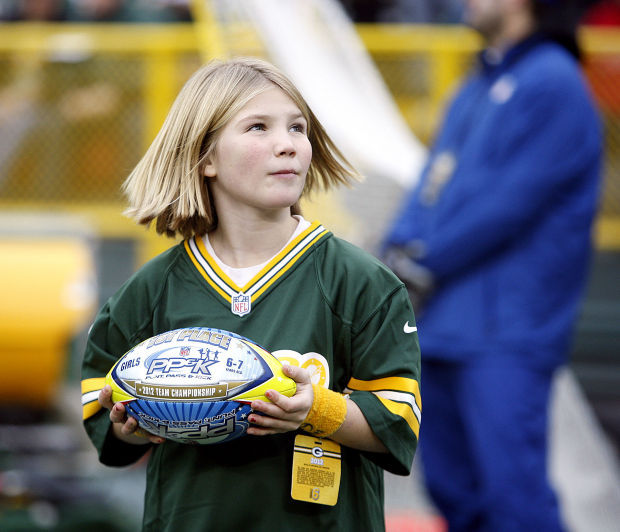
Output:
[[79, 104]]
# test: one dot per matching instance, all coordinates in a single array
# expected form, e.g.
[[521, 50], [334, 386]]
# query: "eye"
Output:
[[299, 127], [259, 126]]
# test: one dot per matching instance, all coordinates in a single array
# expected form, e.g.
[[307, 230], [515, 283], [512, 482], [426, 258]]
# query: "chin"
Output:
[[283, 200], [287, 205]]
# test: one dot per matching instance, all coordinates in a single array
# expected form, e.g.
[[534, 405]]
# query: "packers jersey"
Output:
[[321, 303]]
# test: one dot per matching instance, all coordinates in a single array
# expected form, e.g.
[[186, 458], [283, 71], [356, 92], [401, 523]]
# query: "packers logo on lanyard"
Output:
[[316, 470]]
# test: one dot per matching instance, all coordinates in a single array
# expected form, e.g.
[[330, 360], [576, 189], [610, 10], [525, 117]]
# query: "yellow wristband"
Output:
[[327, 414]]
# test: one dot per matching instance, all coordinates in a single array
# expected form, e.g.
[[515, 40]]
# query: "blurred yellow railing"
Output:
[[130, 75]]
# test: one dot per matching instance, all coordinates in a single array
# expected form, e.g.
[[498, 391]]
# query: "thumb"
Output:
[[299, 375]]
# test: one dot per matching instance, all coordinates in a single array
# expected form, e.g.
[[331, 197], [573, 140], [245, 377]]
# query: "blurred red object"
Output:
[[605, 13]]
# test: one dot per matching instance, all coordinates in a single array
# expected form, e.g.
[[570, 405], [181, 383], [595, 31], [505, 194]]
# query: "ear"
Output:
[[209, 168]]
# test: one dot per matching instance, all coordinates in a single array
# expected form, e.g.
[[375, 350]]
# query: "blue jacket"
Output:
[[504, 208]]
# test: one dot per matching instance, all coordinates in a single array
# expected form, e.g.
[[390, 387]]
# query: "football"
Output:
[[195, 385]]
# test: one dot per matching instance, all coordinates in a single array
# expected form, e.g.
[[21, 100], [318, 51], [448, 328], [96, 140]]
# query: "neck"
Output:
[[516, 28], [241, 243]]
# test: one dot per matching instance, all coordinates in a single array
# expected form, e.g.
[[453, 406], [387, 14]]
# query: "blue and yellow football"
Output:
[[195, 385]]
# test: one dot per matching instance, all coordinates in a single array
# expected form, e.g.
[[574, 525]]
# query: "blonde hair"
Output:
[[168, 184]]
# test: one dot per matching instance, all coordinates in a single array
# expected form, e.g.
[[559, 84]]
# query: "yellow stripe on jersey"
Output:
[[403, 410], [281, 257], [90, 385], [289, 264], [204, 272], [90, 393], [90, 409], [220, 276], [400, 395], [397, 384], [280, 264]]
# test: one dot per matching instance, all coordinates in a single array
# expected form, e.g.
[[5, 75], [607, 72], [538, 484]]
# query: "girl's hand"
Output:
[[283, 413], [125, 427]]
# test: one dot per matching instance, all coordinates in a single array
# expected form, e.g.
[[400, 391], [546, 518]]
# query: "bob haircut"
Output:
[[168, 184]]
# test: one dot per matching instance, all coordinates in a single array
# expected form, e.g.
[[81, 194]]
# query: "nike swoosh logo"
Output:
[[409, 329]]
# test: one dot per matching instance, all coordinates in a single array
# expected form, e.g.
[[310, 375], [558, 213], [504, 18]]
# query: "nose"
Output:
[[283, 144]]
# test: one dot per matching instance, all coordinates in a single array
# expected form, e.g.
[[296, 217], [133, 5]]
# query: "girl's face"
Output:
[[261, 157]]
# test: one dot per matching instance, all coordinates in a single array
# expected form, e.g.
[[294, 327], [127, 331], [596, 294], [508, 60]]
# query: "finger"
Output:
[[105, 397], [154, 439], [140, 432], [130, 426], [118, 413], [262, 425], [259, 431], [277, 405], [299, 375], [265, 408], [286, 417], [262, 431]]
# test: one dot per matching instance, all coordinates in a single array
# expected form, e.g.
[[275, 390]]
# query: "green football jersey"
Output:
[[321, 303]]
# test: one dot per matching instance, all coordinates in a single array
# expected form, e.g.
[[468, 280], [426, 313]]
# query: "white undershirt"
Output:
[[241, 276]]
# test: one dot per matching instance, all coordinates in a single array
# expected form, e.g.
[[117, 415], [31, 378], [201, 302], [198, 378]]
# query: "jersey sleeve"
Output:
[[385, 381], [106, 343]]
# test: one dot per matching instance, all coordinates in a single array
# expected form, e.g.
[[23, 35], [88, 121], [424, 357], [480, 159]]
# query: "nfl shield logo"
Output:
[[240, 304]]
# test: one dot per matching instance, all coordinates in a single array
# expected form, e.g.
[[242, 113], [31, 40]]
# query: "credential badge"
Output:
[[439, 174], [240, 304]]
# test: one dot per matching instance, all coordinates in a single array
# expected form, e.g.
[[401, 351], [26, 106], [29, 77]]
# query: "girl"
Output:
[[237, 151]]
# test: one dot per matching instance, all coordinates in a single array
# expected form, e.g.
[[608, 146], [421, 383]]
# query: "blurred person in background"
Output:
[[122, 11], [33, 10], [180, 9], [493, 244], [404, 11]]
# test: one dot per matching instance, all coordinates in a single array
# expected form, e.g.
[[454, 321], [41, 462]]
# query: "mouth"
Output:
[[288, 172], [285, 171]]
